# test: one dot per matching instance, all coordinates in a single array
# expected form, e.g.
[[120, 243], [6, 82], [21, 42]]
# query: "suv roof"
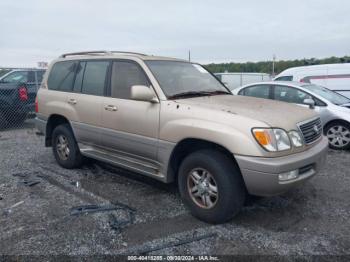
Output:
[[114, 54]]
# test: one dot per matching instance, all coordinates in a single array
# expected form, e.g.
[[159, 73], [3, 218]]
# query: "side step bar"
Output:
[[126, 161]]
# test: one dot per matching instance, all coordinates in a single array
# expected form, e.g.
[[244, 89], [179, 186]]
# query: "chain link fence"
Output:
[[18, 89]]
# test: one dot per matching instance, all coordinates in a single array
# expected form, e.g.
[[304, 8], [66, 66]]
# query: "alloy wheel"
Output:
[[338, 136], [62, 147], [202, 188]]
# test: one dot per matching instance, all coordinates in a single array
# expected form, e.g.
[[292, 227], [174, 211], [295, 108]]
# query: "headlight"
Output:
[[272, 139], [296, 139]]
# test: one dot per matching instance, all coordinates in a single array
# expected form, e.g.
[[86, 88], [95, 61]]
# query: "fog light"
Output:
[[288, 175]]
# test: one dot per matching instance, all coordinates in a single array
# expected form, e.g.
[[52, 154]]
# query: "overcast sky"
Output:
[[214, 31]]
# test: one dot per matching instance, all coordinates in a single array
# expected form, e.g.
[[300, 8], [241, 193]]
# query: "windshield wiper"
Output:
[[197, 93]]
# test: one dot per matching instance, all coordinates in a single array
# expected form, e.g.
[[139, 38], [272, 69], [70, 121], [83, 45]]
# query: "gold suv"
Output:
[[174, 121]]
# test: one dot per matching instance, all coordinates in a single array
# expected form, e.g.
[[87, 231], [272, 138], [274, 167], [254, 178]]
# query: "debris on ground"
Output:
[[38, 133], [119, 224], [115, 222], [22, 175], [30, 182], [27, 181], [9, 210], [85, 209]]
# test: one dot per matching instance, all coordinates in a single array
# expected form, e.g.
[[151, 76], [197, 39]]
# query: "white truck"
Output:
[[332, 76]]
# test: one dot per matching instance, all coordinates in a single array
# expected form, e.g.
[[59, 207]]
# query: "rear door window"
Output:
[[95, 76], [284, 78], [62, 76], [79, 77], [261, 91]]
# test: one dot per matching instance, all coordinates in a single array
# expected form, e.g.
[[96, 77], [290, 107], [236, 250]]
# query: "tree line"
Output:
[[263, 66], [266, 66]]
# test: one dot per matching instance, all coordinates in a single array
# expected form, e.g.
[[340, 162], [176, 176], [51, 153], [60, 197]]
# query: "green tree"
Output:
[[266, 66]]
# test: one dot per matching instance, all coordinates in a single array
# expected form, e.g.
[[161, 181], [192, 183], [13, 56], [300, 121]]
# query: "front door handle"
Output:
[[111, 108], [72, 101]]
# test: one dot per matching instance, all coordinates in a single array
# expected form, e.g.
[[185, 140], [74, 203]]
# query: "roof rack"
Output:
[[100, 52]]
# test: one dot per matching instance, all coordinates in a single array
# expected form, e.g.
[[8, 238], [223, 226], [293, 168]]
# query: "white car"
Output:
[[234, 80], [333, 76], [334, 109]]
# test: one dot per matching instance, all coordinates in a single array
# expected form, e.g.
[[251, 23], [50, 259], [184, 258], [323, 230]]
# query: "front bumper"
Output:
[[261, 175]]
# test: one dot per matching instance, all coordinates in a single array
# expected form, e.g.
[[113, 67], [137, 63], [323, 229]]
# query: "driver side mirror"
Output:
[[143, 93], [310, 102]]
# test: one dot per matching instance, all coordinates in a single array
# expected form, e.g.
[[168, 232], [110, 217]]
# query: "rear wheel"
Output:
[[338, 134], [65, 148], [211, 185]]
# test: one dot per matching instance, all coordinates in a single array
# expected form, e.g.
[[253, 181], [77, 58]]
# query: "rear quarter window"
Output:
[[62, 76], [284, 78]]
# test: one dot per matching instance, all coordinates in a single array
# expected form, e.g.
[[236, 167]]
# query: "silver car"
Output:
[[334, 109]]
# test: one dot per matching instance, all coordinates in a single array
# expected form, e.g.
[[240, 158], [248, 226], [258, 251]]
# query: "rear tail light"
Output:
[[23, 94], [36, 105]]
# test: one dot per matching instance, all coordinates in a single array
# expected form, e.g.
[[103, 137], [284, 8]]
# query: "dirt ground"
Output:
[[146, 217]]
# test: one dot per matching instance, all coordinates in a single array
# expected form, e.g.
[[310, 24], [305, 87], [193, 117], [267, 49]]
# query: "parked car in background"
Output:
[[334, 109], [234, 80], [23, 76], [18, 90], [171, 120], [333, 76]]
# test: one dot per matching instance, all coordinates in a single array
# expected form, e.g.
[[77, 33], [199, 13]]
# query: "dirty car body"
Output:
[[169, 116]]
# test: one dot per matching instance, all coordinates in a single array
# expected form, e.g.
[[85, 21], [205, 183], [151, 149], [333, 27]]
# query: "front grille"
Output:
[[311, 130]]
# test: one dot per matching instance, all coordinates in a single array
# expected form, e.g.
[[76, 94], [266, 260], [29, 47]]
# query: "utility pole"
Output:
[[273, 65], [189, 55]]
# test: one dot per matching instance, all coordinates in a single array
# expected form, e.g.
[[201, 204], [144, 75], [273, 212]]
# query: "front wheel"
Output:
[[211, 186], [338, 134]]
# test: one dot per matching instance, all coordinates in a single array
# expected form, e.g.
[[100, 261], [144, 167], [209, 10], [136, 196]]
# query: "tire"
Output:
[[338, 134], [63, 135], [224, 173]]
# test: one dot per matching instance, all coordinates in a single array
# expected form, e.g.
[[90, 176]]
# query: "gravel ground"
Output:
[[150, 219]]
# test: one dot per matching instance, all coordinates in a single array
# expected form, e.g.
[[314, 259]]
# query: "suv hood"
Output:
[[273, 113]]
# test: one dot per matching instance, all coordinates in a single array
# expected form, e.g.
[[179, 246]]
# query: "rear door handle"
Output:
[[72, 101], [111, 108]]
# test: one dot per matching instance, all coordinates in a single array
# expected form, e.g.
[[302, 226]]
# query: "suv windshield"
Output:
[[331, 96], [184, 79]]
